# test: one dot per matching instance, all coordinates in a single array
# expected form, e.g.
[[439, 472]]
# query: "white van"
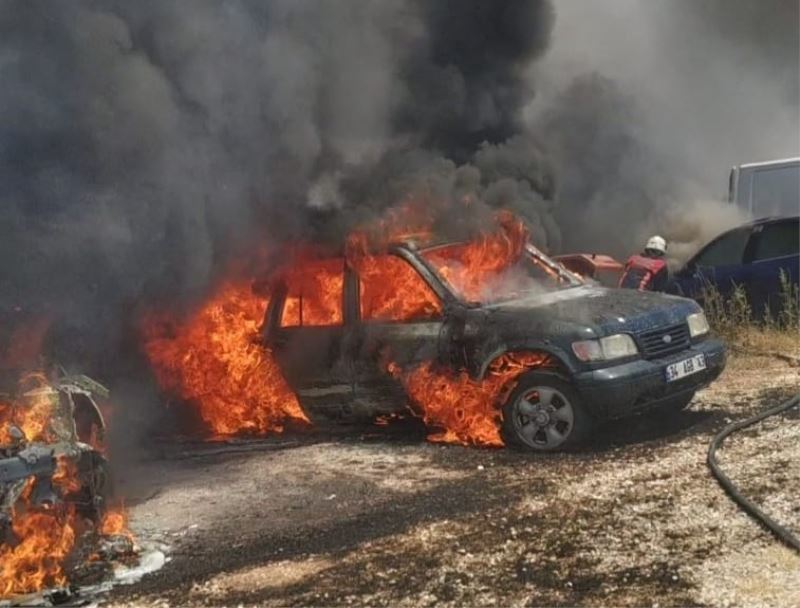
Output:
[[767, 189]]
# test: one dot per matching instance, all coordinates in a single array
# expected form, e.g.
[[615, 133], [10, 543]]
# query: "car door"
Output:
[[305, 329], [722, 264], [776, 250], [399, 322]]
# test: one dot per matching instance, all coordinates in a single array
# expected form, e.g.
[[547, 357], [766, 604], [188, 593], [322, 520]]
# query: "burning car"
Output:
[[482, 337], [53, 475]]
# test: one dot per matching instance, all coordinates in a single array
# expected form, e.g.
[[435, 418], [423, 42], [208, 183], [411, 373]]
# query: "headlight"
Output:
[[604, 349], [698, 324]]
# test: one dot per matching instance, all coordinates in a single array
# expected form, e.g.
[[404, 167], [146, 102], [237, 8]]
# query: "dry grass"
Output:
[[768, 331], [768, 340]]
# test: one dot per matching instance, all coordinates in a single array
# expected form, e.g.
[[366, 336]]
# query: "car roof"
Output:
[[764, 221], [767, 220]]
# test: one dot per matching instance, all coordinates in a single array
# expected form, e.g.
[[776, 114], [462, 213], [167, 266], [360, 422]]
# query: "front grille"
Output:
[[653, 344]]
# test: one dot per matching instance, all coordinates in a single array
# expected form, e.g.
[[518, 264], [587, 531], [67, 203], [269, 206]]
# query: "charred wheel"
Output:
[[544, 413]]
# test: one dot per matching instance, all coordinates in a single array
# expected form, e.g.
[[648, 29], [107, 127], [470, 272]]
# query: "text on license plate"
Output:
[[686, 367]]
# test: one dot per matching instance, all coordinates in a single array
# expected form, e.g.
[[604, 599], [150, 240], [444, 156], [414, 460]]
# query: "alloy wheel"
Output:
[[543, 417]]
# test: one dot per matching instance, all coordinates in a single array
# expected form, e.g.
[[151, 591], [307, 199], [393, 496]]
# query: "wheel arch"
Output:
[[560, 359]]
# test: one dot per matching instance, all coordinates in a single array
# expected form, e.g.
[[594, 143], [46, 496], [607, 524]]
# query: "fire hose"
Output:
[[748, 506]]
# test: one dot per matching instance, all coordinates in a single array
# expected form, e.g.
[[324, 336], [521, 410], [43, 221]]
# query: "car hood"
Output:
[[600, 310]]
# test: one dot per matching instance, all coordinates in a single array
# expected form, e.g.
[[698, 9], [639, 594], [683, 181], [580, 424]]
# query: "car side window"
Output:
[[778, 240], [314, 296], [390, 289], [726, 251]]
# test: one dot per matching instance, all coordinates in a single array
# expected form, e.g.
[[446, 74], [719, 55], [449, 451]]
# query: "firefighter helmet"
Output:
[[656, 244]]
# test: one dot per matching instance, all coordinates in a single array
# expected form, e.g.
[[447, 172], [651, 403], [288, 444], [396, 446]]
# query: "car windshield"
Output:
[[480, 275]]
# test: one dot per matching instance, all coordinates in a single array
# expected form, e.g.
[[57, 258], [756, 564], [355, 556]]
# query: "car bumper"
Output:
[[613, 392]]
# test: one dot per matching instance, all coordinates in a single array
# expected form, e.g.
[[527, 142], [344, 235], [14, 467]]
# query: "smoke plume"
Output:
[[645, 106], [144, 145]]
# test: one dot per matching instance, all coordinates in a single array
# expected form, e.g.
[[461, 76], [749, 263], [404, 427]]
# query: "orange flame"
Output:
[[33, 417], [45, 536], [46, 539], [471, 267], [391, 290], [212, 359], [7, 416], [115, 522], [467, 411], [315, 296], [66, 476]]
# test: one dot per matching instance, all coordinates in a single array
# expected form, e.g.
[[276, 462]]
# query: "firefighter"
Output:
[[648, 270]]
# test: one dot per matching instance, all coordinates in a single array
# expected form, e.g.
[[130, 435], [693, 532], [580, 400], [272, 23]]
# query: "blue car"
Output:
[[753, 256]]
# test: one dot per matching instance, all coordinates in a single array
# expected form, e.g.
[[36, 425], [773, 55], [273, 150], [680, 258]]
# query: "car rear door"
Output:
[[775, 250], [399, 322], [305, 330]]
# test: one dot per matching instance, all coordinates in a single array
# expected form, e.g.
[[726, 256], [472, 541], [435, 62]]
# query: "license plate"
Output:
[[684, 368]]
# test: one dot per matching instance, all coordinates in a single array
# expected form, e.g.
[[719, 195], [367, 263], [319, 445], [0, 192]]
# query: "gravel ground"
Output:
[[384, 518]]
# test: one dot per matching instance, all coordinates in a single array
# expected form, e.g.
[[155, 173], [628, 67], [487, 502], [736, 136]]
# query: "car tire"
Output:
[[544, 413], [677, 404]]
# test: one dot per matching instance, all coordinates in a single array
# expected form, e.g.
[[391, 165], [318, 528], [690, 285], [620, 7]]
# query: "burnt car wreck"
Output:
[[51, 434], [337, 327]]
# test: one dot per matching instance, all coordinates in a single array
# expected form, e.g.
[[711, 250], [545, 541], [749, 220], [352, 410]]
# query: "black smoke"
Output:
[[467, 82], [143, 145]]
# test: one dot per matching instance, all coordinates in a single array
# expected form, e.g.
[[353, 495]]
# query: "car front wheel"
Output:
[[544, 413]]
